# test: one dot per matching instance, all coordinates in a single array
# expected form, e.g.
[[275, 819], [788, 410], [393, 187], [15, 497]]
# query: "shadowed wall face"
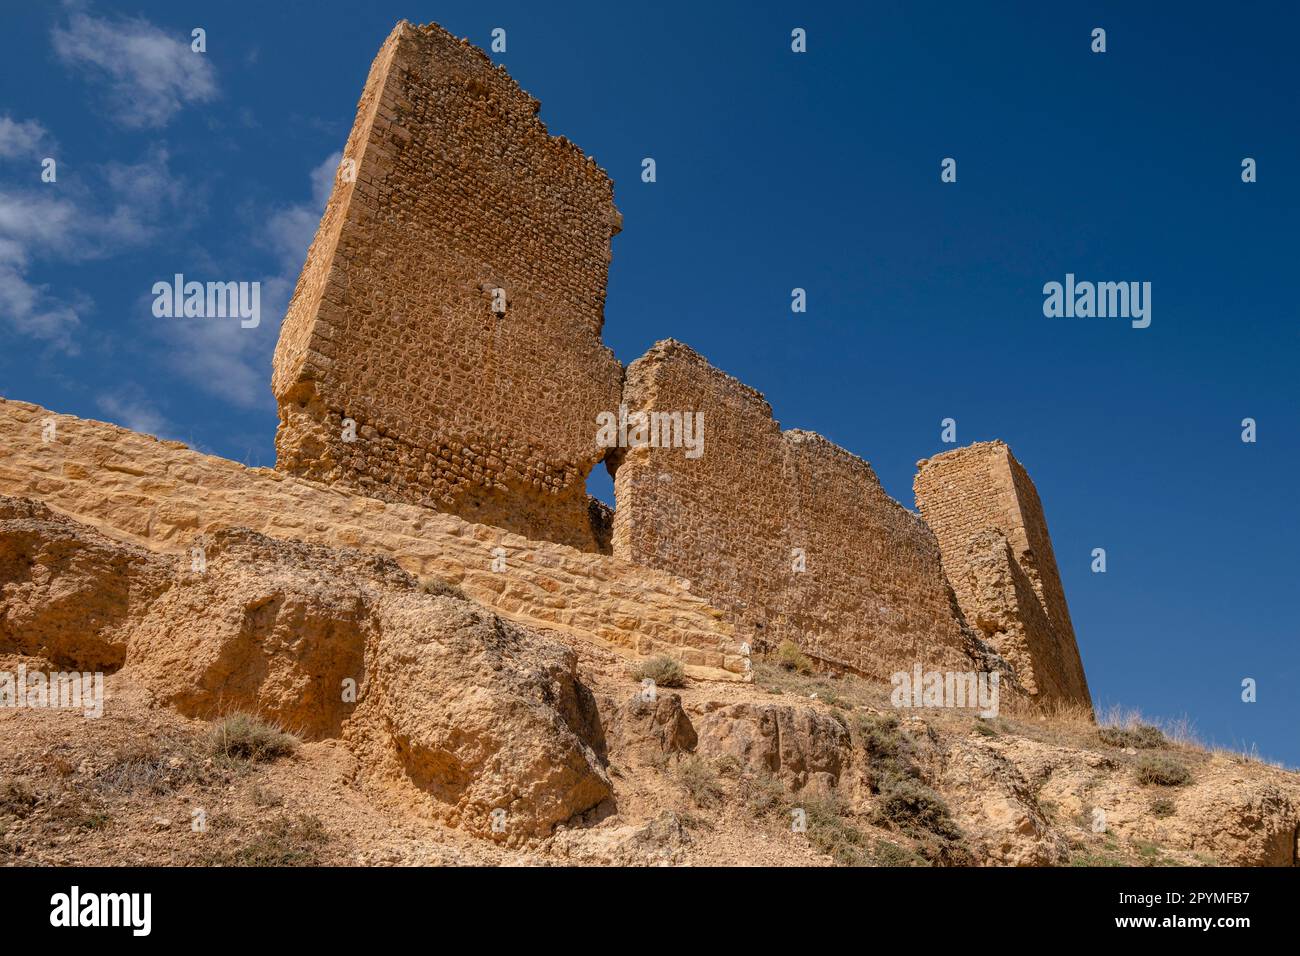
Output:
[[452, 302], [998, 554], [790, 533]]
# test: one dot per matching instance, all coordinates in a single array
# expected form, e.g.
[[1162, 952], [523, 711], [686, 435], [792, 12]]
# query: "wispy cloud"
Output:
[[150, 74], [131, 410], [289, 231], [32, 310], [33, 225], [235, 363], [142, 195], [120, 208], [22, 140]]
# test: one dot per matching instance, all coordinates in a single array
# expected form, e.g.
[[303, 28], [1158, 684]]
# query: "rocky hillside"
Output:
[[291, 703]]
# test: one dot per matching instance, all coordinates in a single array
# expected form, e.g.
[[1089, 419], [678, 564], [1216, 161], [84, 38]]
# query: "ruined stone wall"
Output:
[[460, 403], [872, 596], [164, 496], [671, 511], [998, 554]]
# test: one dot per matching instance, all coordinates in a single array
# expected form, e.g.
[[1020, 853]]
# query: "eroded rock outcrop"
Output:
[[475, 713], [1231, 812], [650, 730], [996, 809], [488, 726], [66, 591], [485, 716], [271, 627], [802, 746]]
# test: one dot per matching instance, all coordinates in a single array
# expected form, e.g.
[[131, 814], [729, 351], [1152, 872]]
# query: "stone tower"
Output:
[[998, 555], [443, 344]]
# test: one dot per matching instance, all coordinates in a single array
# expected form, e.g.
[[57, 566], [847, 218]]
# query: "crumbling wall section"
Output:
[[873, 595], [720, 520], [790, 533], [452, 303], [998, 554], [165, 497]]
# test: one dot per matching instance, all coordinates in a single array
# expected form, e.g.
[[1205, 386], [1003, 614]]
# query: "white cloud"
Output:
[[31, 224], [72, 222], [33, 218], [151, 74], [234, 363], [130, 410], [142, 196], [33, 311], [223, 358], [289, 231], [22, 140]]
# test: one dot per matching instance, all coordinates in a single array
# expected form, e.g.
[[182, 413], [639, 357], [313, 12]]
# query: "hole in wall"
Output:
[[600, 504], [600, 485]]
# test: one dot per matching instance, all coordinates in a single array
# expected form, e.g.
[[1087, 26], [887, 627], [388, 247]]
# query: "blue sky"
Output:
[[775, 170]]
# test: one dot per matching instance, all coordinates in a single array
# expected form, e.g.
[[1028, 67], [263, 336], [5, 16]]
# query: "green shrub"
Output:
[[153, 765], [763, 795], [282, 841], [888, 749], [1162, 808], [245, 737], [728, 766], [831, 832], [1162, 770], [263, 797], [441, 588], [879, 735], [17, 799], [891, 854], [831, 696], [790, 658], [665, 671], [1138, 736], [700, 780], [913, 807], [1096, 858]]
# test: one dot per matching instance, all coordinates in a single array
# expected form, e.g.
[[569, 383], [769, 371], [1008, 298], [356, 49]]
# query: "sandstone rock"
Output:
[[644, 732], [485, 716], [270, 627], [1235, 820], [1234, 812], [67, 591], [996, 809], [478, 714], [658, 842], [801, 745]]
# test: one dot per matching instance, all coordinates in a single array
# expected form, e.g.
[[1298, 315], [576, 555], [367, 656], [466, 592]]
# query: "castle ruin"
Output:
[[998, 555], [443, 348], [451, 304]]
